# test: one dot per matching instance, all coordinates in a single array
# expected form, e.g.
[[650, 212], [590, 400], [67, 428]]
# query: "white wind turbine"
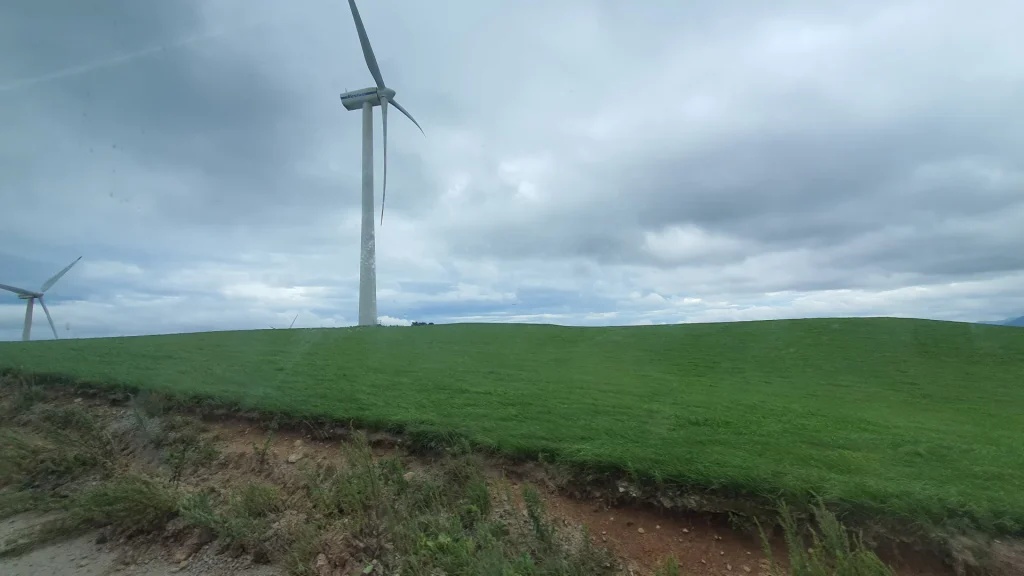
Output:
[[31, 297], [365, 100]]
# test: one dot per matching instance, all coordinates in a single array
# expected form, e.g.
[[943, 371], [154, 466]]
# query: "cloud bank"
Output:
[[585, 163]]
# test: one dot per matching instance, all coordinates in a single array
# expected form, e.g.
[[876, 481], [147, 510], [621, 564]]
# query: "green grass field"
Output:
[[909, 419]]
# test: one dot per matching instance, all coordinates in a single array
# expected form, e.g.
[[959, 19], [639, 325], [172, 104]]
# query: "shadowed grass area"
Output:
[[911, 419]]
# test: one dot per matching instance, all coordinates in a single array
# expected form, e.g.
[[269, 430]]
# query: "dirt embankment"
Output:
[[132, 489]]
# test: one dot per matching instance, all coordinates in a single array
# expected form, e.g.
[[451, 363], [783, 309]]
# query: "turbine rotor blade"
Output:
[[48, 317], [407, 115], [364, 41], [57, 276], [293, 321], [17, 290], [384, 117]]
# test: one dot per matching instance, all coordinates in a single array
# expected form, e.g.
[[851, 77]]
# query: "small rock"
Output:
[[408, 476], [199, 538], [294, 457], [728, 566], [604, 538], [745, 568], [603, 532], [175, 527], [184, 554], [685, 531], [640, 530], [722, 553], [323, 567], [78, 400], [297, 443], [657, 527], [703, 561]]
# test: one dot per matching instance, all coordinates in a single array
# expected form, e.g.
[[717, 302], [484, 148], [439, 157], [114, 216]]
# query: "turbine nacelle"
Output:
[[355, 99]]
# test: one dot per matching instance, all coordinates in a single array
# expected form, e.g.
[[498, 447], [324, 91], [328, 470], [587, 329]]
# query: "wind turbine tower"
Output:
[[31, 296], [365, 99]]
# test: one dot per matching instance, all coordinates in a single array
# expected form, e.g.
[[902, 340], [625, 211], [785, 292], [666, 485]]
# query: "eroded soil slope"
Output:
[[130, 488]]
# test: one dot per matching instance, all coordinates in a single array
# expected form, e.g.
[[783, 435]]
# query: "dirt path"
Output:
[[82, 556]]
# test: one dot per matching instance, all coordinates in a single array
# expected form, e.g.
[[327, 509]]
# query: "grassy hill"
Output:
[[902, 418]]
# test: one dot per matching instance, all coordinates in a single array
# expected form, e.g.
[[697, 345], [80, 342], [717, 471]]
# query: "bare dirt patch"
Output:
[[82, 556]]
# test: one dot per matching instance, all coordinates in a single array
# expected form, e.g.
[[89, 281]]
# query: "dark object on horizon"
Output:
[[414, 323]]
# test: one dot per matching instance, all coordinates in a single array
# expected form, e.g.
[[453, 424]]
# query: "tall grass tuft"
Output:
[[832, 551]]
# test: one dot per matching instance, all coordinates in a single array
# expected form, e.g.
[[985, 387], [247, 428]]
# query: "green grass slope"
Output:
[[904, 418]]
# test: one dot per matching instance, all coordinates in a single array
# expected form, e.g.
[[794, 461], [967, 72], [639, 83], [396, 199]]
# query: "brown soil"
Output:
[[643, 537]]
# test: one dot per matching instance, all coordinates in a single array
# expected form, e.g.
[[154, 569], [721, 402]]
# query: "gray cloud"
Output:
[[585, 162]]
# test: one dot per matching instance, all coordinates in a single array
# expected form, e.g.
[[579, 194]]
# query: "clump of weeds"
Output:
[[832, 550], [670, 567], [65, 457], [375, 516], [128, 504]]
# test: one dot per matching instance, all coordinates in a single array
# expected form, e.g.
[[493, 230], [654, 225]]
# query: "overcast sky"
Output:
[[585, 162]]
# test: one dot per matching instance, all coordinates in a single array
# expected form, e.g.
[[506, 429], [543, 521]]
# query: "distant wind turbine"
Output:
[[365, 99], [290, 326], [31, 297]]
